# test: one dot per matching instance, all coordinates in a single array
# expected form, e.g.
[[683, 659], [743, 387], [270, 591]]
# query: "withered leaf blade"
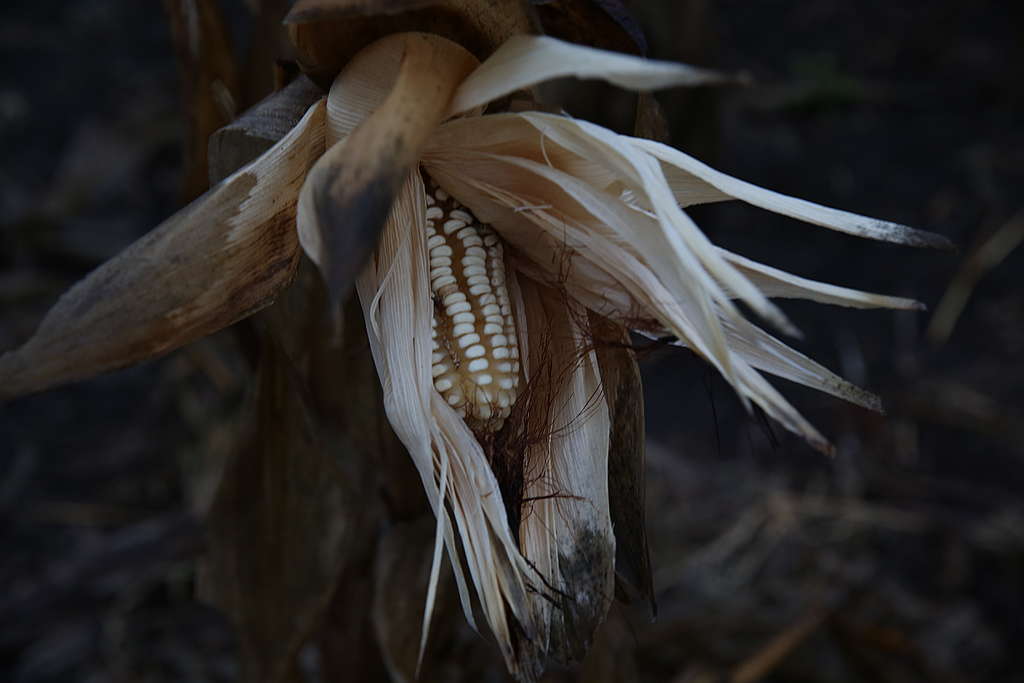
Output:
[[354, 432], [209, 81], [351, 189], [566, 530], [214, 262], [401, 574], [620, 375], [327, 33], [279, 527]]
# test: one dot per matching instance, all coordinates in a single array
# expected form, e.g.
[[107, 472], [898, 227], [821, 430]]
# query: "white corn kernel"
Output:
[[471, 367], [468, 339]]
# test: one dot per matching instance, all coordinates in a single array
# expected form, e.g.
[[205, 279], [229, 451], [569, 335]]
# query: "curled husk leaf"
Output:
[[352, 187]]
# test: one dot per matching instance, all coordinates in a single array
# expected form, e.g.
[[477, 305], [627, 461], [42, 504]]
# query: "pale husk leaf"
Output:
[[595, 160], [580, 205], [586, 226], [280, 495], [523, 61], [394, 289], [650, 186], [694, 182], [363, 85], [497, 134], [778, 283], [593, 243], [768, 354], [351, 188], [623, 392]]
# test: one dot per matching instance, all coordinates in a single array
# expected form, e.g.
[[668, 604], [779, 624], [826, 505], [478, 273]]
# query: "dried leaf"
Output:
[[778, 283], [210, 81], [620, 377], [768, 354], [694, 182], [327, 33], [401, 576], [394, 291], [379, 478], [587, 210], [214, 262], [280, 527], [351, 188], [566, 532]]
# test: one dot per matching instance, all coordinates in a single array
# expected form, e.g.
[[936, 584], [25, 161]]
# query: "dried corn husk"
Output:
[[595, 228], [566, 533], [216, 261], [596, 224], [352, 187], [280, 496], [571, 190], [623, 391]]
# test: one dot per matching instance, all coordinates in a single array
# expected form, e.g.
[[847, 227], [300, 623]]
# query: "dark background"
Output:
[[900, 559]]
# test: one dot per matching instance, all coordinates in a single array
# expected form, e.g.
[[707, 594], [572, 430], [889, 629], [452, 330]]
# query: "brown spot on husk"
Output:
[[584, 601]]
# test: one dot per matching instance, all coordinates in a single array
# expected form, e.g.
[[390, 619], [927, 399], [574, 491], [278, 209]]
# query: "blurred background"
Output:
[[901, 559]]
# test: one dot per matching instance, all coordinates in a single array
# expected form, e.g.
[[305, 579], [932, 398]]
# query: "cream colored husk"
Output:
[[592, 220]]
